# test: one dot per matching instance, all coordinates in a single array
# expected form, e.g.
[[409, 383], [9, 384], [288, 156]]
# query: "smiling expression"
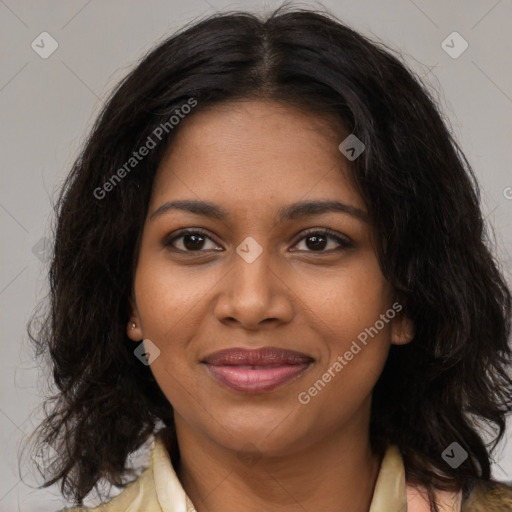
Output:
[[269, 179]]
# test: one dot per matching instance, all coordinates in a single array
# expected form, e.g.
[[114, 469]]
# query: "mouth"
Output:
[[256, 370]]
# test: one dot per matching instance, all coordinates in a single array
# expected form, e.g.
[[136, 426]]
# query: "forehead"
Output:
[[254, 156]]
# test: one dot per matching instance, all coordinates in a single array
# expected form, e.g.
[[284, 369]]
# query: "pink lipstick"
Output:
[[256, 370]]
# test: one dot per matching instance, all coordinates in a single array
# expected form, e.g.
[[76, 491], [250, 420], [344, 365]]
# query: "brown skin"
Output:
[[252, 158]]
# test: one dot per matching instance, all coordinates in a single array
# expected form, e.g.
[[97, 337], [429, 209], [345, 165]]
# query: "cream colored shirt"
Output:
[[158, 489]]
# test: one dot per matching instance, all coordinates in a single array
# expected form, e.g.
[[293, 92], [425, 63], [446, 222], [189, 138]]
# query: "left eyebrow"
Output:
[[310, 208], [290, 212]]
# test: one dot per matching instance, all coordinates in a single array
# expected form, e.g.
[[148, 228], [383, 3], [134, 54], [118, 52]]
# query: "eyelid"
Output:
[[186, 231], [344, 241]]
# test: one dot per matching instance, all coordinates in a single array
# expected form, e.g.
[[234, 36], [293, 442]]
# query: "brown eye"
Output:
[[191, 240], [318, 240]]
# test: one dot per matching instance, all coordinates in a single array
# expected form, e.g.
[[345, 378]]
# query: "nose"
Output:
[[253, 294]]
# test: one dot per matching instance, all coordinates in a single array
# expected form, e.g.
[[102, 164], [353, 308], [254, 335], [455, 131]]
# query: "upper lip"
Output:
[[256, 357]]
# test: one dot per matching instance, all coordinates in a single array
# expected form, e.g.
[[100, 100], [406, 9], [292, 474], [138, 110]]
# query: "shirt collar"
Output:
[[389, 494]]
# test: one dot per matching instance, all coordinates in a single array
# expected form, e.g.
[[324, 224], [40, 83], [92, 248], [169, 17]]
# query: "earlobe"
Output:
[[402, 330], [134, 329]]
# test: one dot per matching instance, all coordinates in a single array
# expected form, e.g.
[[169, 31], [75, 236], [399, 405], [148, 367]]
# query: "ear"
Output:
[[134, 327], [402, 329]]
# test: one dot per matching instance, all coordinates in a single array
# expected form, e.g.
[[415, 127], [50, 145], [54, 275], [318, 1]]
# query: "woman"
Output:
[[274, 211]]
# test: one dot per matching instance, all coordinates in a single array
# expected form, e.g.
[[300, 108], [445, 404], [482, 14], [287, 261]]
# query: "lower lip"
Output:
[[254, 379]]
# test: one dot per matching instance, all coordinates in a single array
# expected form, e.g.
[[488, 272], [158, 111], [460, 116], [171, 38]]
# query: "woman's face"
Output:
[[263, 275]]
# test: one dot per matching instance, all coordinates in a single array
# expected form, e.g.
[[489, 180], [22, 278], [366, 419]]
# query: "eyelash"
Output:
[[343, 242]]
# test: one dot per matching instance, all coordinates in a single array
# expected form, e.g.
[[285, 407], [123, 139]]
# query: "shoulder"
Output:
[[156, 488], [483, 496], [489, 496], [137, 495]]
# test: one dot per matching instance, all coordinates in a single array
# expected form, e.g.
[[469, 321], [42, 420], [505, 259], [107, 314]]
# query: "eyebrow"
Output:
[[290, 212]]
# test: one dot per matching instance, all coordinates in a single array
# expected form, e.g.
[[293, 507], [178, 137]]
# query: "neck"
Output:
[[338, 472]]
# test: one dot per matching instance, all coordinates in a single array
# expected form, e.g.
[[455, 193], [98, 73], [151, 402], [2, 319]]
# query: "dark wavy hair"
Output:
[[450, 384]]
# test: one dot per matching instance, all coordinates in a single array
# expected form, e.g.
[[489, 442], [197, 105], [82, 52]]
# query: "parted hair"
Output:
[[450, 384]]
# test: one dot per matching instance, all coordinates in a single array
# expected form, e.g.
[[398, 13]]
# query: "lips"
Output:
[[256, 370]]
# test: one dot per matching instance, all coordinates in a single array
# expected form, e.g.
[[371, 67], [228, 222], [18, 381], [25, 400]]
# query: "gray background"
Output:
[[48, 105]]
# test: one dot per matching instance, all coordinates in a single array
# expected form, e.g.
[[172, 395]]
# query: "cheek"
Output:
[[354, 337], [170, 301], [170, 306], [347, 301]]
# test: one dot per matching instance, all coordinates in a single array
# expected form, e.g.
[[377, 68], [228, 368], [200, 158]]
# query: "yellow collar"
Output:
[[389, 494], [158, 489]]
